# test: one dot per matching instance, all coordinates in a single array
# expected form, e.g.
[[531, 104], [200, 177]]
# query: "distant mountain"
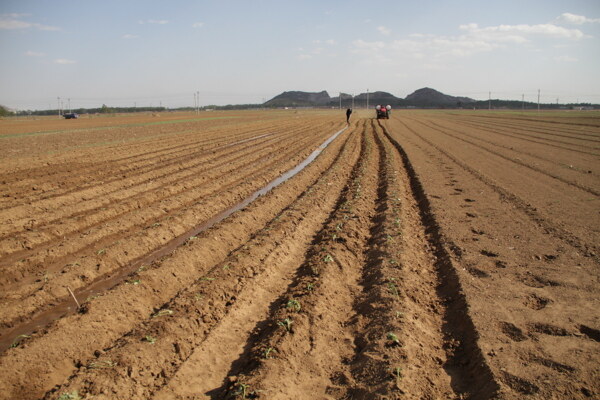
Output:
[[383, 98], [428, 97], [425, 97], [300, 99]]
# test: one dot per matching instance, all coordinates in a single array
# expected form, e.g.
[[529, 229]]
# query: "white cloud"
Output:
[[519, 33], [384, 31], [329, 42], [14, 15], [576, 19], [130, 36], [568, 59], [30, 53], [198, 25], [15, 21], [154, 21], [304, 57], [64, 61]]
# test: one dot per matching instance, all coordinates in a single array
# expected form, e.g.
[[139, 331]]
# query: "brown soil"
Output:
[[433, 255]]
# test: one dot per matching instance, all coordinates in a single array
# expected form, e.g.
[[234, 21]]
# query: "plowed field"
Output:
[[285, 255]]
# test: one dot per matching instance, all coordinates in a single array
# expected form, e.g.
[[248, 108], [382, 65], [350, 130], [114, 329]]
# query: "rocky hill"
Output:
[[425, 97], [300, 99], [428, 97]]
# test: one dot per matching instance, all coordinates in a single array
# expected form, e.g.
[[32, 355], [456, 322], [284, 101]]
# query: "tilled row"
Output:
[[215, 313], [527, 284], [572, 128], [551, 168], [541, 129], [96, 250], [82, 196], [372, 311], [127, 305], [53, 175], [563, 221]]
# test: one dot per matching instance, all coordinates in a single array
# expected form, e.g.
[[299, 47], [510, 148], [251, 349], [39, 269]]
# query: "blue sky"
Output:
[[122, 53]]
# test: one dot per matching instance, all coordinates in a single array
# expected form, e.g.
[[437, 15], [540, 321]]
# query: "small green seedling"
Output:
[[162, 313], [133, 282], [242, 390], [287, 324], [101, 251], [268, 351], [74, 395], [149, 339], [293, 304], [226, 266], [328, 258], [92, 297], [101, 364], [392, 337], [393, 289], [18, 340], [206, 278], [310, 286]]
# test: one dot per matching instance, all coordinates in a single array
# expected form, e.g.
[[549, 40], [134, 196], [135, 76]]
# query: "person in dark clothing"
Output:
[[348, 112]]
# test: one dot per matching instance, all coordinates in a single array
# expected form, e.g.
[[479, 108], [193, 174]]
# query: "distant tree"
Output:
[[105, 109], [4, 112]]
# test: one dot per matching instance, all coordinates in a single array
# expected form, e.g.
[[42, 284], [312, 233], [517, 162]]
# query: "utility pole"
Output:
[[367, 99], [198, 107], [523, 100], [538, 100], [58, 99], [340, 100], [490, 101], [194, 101], [69, 105], [353, 101]]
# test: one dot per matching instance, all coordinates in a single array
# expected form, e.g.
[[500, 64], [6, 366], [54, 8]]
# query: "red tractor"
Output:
[[383, 111]]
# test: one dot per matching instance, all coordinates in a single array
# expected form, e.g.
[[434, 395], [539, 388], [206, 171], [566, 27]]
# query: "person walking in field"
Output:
[[348, 113]]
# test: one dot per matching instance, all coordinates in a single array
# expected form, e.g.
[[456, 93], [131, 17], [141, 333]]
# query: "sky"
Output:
[[160, 53]]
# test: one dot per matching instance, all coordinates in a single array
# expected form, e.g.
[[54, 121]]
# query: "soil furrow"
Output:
[[95, 199], [543, 171], [563, 159], [145, 163], [512, 133], [135, 302], [115, 255], [524, 134], [153, 151], [531, 211], [554, 131], [466, 365], [306, 325], [177, 190]]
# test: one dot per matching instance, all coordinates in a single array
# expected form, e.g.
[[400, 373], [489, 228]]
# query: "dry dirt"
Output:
[[434, 255]]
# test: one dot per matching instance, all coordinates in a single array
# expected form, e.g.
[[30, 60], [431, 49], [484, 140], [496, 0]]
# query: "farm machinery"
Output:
[[383, 111]]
